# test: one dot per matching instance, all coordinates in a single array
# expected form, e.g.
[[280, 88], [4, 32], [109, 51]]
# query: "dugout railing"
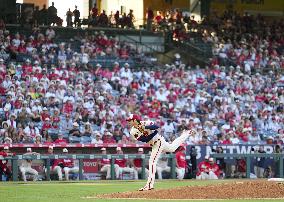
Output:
[[249, 157], [80, 157]]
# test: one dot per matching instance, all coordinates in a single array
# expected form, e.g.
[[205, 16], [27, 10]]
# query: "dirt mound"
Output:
[[226, 190]]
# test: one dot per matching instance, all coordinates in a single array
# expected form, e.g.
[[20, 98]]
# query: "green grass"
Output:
[[76, 191]]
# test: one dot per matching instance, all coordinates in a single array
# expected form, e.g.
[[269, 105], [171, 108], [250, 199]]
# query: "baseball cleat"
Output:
[[145, 189]]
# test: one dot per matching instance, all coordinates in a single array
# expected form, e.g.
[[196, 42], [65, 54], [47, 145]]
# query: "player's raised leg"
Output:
[[178, 141]]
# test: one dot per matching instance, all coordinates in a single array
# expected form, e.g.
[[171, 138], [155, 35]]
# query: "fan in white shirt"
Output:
[[162, 94], [30, 130], [96, 138], [12, 121]]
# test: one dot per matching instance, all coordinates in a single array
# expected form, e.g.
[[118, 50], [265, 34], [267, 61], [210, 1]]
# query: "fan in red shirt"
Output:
[[27, 67], [44, 114], [68, 107], [122, 165], [108, 138], [180, 162], [3, 163], [55, 118], [46, 125], [60, 139], [22, 47], [227, 140], [38, 74], [18, 103], [138, 163]]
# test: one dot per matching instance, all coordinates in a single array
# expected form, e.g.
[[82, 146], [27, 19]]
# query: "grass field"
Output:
[[79, 191]]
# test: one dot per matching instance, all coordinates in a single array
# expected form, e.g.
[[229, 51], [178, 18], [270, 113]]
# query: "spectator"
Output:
[[69, 15], [60, 139], [52, 14], [97, 139], [108, 138], [75, 130], [43, 13], [124, 140], [31, 130], [76, 14], [150, 17]]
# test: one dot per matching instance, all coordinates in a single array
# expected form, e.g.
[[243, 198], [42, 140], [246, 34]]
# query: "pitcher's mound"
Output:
[[226, 190]]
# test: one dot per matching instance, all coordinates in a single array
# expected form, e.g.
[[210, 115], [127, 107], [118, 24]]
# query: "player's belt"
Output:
[[156, 141]]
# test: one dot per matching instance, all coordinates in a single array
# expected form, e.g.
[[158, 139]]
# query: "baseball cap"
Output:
[[29, 149], [140, 150], [118, 149], [108, 133], [6, 148], [211, 159], [50, 147], [103, 149], [65, 150], [206, 157], [133, 117]]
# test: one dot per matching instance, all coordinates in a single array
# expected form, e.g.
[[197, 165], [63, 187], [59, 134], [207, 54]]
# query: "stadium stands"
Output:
[[93, 80]]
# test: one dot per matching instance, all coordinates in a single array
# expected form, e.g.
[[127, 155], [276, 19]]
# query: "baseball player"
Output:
[[180, 163], [26, 166], [137, 163], [162, 166], [203, 167], [148, 132], [105, 166], [55, 168], [122, 166], [67, 165], [3, 163], [213, 169]]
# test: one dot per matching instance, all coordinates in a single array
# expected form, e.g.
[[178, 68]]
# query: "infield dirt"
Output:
[[224, 190]]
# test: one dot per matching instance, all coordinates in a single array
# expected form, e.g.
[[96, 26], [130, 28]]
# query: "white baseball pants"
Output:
[[160, 170], [139, 170], [207, 176], [30, 170], [57, 170], [160, 146], [180, 173], [127, 169], [106, 168], [68, 170]]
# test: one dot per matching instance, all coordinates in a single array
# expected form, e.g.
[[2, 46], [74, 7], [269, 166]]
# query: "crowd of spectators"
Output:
[[58, 97], [248, 41]]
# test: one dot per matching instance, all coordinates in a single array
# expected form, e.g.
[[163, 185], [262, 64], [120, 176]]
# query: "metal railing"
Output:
[[248, 158], [81, 157]]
